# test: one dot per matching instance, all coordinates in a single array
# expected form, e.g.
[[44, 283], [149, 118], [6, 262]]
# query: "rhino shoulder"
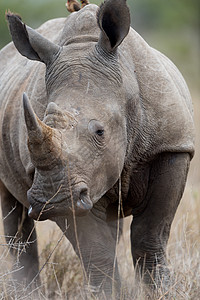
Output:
[[176, 77], [165, 102]]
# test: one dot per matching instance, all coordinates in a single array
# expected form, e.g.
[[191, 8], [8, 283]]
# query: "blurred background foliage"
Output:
[[171, 26]]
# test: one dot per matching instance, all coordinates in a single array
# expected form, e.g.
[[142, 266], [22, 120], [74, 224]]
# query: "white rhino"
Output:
[[105, 130]]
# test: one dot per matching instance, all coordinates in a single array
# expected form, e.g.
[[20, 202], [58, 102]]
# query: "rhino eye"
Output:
[[95, 127], [100, 132]]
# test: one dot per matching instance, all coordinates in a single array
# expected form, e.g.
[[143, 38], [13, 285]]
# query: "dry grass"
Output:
[[62, 276]]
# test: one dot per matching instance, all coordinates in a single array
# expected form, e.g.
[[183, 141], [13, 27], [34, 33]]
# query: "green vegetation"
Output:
[[157, 15]]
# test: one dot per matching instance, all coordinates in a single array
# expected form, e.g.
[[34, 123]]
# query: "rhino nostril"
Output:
[[84, 202], [83, 192]]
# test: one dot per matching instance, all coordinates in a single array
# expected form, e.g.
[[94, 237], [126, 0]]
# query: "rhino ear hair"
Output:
[[29, 42], [113, 18]]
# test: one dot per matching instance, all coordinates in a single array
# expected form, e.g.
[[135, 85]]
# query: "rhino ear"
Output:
[[29, 42], [113, 18]]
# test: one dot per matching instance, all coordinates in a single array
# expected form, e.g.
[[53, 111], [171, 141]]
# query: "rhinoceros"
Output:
[[95, 125]]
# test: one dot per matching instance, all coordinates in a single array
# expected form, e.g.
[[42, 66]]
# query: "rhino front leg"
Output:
[[94, 241], [150, 229], [17, 227]]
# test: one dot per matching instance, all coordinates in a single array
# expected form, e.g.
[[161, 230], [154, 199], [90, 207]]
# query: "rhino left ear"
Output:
[[29, 42], [113, 18]]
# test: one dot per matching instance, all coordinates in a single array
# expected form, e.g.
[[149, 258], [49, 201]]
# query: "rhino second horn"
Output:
[[35, 127]]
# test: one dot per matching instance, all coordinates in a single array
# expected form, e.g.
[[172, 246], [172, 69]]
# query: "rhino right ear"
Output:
[[113, 18], [29, 42]]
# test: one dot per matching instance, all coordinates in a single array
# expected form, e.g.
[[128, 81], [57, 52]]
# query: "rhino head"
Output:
[[78, 149]]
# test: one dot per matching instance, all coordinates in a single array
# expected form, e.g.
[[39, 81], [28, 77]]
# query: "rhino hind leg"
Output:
[[150, 230], [23, 248]]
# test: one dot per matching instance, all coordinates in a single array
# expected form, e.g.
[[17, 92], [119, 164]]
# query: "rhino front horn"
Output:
[[40, 137], [35, 127]]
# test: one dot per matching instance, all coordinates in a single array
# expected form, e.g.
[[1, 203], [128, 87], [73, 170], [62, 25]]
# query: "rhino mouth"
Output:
[[79, 204]]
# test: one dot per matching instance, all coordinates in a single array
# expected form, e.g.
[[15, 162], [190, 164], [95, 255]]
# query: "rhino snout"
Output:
[[75, 201]]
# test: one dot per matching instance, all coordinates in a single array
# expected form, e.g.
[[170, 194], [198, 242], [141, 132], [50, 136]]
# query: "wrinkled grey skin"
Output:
[[111, 120]]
